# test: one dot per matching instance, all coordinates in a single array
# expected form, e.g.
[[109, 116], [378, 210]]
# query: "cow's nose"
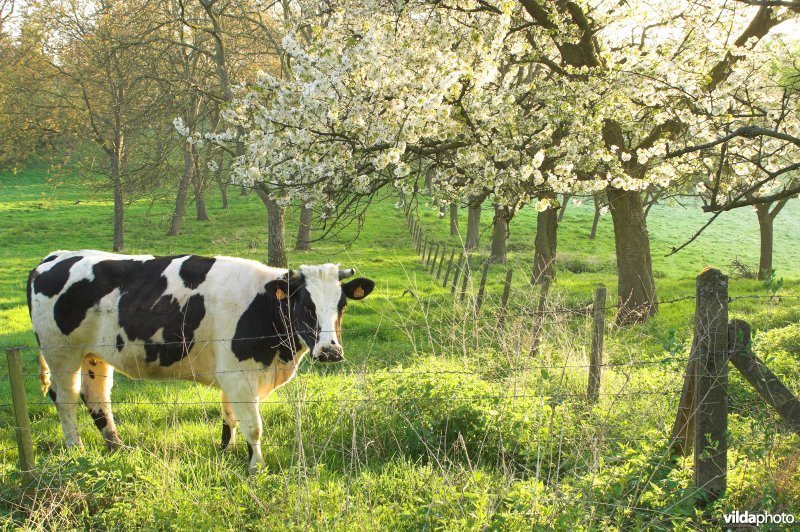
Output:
[[331, 353]]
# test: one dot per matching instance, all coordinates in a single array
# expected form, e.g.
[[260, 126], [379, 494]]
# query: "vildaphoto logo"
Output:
[[762, 518]]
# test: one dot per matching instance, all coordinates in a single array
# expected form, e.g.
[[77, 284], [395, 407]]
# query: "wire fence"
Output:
[[464, 388]]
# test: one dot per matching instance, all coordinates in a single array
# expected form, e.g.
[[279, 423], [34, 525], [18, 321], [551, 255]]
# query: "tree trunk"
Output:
[[499, 235], [474, 222], [304, 229], [223, 190], [544, 260], [429, 181], [200, 183], [276, 241], [119, 200], [636, 288], [563, 209], [765, 227], [454, 219], [596, 220], [200, 204], [183, 188]]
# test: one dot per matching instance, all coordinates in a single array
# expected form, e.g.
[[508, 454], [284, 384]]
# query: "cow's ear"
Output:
[[279, 288], [358, 288]]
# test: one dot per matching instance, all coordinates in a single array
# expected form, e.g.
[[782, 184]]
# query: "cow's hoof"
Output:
[[255, 469]]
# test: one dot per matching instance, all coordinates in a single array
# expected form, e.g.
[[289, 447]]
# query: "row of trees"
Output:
[[325, 105], [527, 100]]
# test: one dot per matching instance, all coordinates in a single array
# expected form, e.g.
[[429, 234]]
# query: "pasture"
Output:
[[437, 419]]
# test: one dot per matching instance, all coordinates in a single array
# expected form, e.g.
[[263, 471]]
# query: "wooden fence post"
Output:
[[538, 319], [458, 271], [711, 387], [504, 301], [441, 262], [598, 331], [760, 377], [436, 254], [482, 288], [465, 276], [23, 423], [449, 267]]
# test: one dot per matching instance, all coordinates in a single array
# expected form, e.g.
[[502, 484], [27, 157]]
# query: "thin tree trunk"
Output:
[[636, 288], [563, 209], [766, 227], [499, 235], [454, 219], [276, 241], [304, 229], [474, 222], [596, 220], [200, 183], [119, 200], [183, 188], [544, 260], [429, 180], [223, 189]]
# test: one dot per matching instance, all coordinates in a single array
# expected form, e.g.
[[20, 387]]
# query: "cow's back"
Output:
[[147, 316]]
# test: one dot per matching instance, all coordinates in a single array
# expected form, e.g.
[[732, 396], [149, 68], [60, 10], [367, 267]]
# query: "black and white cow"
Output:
[[228, 322]]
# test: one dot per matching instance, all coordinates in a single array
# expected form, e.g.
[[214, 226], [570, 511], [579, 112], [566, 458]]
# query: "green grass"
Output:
[[436, 420]]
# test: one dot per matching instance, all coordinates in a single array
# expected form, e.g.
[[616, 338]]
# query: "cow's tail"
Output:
[[44, 374], [44, 370]]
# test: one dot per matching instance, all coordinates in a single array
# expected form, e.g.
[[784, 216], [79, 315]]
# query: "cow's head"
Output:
[[315, 298]]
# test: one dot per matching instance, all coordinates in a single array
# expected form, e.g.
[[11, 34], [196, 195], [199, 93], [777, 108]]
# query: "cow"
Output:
[[227, 322]]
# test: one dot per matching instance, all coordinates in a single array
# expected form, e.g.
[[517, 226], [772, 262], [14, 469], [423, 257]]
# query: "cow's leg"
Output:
[[65, 385], [228, 422], [97, 380], [245, 409]]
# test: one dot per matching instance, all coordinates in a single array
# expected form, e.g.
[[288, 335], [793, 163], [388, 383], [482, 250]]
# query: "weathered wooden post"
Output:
[[598, 332], [424, 246], [774, 392], [465, 276], [482, 287], [436, 254], [711, 387], [538, 320], [458, 271], [504, 300], [23, 423], [441, 262], [449, 267]]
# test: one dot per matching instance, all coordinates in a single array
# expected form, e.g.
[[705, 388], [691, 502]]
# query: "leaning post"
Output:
[[22, 428]]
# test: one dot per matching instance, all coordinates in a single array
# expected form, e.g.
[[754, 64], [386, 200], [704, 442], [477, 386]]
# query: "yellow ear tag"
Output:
[[280, 294], [358, 292]]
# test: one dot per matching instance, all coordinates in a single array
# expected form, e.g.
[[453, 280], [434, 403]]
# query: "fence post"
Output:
[[424, 248], [465, 275], [449, 267], [23, 423], [436, 254], [504, 301], [598, 330], [766, 383], [711, 388], [482, 288], [441, 262], [458, 271], [538, 320]]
